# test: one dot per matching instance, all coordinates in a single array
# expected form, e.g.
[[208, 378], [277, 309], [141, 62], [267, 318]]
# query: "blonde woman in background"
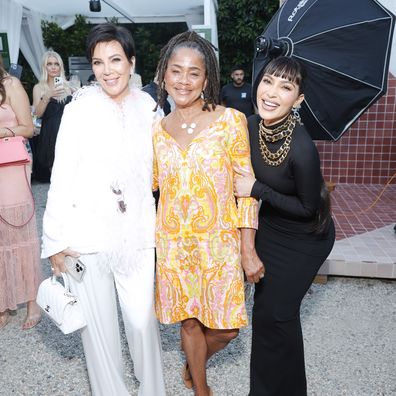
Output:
[[50, 95]]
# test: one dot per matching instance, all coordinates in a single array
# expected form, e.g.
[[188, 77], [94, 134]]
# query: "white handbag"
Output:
[[60, 304]]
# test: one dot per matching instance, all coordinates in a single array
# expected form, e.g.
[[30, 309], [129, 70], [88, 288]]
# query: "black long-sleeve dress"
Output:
[[292, 250]]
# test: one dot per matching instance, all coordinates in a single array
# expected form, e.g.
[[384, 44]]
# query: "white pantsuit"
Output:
[[100, 204], [101, 339]]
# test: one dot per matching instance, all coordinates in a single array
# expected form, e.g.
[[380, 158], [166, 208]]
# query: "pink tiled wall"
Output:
[[366, 154]]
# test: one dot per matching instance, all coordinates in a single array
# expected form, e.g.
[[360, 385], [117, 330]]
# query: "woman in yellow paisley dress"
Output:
[[199, 148]]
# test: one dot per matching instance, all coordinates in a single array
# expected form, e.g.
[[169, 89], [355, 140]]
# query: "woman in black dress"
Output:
[[50, 96], [295, 234]]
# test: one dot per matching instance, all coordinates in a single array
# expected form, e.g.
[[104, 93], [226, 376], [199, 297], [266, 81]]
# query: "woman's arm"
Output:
[[308, 180], [251, 263], [19, 102], [59, 207], [239, 151], [41, 99]]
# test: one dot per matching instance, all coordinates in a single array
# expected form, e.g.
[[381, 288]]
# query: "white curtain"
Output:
[[10, 22], [32, 45]]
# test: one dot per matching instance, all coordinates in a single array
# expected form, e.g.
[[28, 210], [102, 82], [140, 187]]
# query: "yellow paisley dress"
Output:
[[199, 273]]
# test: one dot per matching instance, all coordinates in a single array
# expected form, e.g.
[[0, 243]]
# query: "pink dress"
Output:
[[19, 247]]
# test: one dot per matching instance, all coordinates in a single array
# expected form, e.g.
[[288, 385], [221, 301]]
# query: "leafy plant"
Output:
[[239, 23], [69, 42], [149, 39]]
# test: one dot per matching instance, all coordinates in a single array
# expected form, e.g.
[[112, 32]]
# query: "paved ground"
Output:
[[349, 330]]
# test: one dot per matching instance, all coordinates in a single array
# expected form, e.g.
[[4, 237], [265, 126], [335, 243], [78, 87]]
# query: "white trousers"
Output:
[[101, 337]]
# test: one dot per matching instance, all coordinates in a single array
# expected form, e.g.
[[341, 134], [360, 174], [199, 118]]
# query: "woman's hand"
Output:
[[243, 184], [57, 91], [252, 265], [58, 260]]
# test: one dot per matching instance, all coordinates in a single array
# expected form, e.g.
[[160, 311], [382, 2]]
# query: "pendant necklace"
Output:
[[186, 126]]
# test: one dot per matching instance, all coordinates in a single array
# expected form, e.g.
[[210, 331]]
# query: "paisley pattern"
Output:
[[199, 274]]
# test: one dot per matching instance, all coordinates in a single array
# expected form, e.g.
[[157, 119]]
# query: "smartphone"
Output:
[[75, 267], [58, 81]]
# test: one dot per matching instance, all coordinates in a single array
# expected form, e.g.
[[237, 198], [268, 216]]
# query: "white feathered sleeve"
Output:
[[59, 201]]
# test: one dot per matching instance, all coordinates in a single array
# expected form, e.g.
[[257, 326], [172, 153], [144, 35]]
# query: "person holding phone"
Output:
[[50, 95], [100, 216]]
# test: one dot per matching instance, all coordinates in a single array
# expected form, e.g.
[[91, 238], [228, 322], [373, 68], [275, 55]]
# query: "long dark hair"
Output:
[[3, 76], [205, 48], [323, 215]]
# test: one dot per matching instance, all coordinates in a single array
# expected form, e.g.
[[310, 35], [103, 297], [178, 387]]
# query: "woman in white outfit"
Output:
[[100, 208]]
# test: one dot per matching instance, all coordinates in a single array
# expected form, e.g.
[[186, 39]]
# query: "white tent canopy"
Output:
[[21, 19], [136, 10]]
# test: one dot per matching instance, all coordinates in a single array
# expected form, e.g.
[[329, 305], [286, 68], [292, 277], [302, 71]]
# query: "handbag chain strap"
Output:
[[33, 210]]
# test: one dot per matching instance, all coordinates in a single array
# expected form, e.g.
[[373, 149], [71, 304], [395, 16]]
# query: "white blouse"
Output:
[[100, 198]]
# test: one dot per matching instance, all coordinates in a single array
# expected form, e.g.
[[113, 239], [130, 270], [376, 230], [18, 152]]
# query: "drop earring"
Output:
[[205, 99], [296, 113]]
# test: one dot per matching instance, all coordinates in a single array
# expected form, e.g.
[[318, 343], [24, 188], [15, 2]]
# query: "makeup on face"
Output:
[[185, 76], [112, 69], [275, 98]]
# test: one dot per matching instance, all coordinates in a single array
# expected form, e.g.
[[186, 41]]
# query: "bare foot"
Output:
[[33, 315], [4, 318]]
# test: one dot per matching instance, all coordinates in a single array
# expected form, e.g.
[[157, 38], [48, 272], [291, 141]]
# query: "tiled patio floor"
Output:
[[366, 241], [350, 200]]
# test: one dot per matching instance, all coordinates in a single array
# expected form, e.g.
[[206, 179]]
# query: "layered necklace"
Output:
[[283, 131]]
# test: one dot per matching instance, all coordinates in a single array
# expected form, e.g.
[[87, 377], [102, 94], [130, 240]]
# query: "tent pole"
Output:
[[116, 8]]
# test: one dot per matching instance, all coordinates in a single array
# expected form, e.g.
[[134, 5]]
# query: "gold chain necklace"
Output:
[[282, 131]]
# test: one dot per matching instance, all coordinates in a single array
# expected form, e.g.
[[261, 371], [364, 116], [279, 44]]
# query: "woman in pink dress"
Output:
[[19, 246]]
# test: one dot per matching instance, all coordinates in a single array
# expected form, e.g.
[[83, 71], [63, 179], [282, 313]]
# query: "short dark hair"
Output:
[[282, 66], [192, 40], [107, 32], [237, 67]]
